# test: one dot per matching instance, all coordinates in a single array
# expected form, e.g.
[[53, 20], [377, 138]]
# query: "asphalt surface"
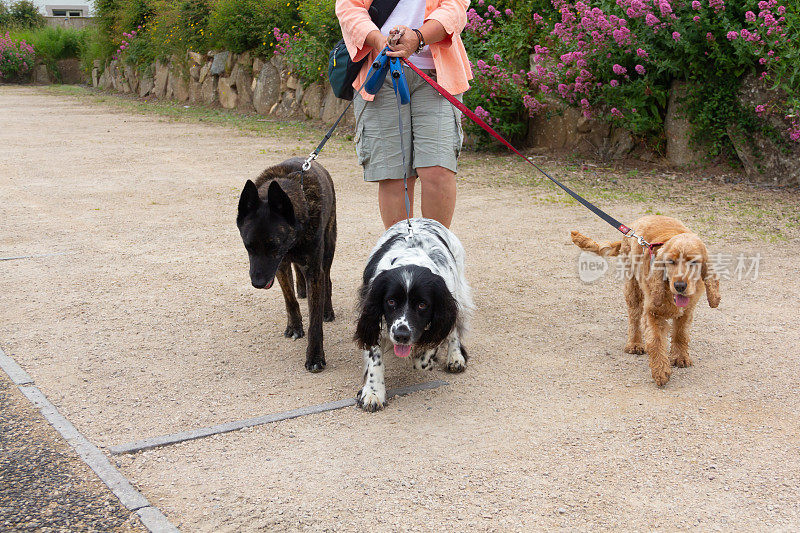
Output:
[[44, 486]]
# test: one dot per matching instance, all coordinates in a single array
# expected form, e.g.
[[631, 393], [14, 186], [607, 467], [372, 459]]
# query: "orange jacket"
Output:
[[449, 56]]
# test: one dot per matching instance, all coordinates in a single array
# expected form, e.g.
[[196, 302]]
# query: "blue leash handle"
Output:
[[378, 73], [399, 81], [382, 65]]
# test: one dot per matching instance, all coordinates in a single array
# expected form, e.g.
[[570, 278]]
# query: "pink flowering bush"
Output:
[[16, 57], [498, 91], [305, 54], [616, 59], [498, 37]]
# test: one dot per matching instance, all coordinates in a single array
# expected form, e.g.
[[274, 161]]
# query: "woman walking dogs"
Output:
[[427, 32]]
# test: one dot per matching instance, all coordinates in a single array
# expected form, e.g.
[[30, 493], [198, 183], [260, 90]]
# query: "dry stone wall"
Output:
[[232, 81], [264, 86]]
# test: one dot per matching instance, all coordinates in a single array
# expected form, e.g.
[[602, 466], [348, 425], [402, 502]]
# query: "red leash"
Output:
[[480, 122]]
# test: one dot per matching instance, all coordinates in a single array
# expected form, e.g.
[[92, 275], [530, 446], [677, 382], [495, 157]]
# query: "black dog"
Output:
[[288, 217]]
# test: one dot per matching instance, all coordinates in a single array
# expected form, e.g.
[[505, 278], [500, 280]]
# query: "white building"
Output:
[[77, 9]]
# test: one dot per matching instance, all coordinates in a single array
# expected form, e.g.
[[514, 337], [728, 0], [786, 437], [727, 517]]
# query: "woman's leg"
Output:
[[392, 203], [438, 195], [437, 144]]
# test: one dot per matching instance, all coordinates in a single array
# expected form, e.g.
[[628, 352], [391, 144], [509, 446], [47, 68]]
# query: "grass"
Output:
[[54, 43], [710, 206]]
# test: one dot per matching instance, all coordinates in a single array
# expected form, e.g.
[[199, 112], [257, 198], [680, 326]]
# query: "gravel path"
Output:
[[147, 325], [44, 486]]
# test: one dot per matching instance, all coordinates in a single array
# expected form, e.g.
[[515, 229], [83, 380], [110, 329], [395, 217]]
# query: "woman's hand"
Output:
[[376, 40], [403, 42]]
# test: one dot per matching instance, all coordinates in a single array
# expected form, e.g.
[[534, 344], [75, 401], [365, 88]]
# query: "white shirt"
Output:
[[410, 13]]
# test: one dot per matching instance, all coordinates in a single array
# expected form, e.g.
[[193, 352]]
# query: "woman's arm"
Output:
[[447, 20], [452, 15], [358, 29]]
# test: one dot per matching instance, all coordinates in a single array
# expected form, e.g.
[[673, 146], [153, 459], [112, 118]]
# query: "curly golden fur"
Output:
[[663, 285]]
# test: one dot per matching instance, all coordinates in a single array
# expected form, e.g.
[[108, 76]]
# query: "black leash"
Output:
[[396, 81], [313, 156]]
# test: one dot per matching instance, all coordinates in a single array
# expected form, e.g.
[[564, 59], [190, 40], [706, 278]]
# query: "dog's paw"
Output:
[[294, 332], [315, 365], [420, 364], [634, 348], [682, 361], [371, 400], [329, 316], [454, 367], [661, 378], [456, 360]]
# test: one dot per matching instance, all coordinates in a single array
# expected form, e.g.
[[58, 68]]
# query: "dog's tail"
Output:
[[606, 249]]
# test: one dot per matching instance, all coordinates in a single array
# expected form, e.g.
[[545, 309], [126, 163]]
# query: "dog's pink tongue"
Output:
[[681, 300], [402, 350], [270, 283]]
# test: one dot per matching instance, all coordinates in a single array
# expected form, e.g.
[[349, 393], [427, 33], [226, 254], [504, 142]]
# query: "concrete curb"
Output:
[[14, 371], [192, 434], [152, 518]]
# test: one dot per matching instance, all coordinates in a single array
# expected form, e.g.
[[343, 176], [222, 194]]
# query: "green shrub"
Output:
[[241, 25], [107, 17], [54, 43], [24, 14], [5, 16], [95, 46], [318, 17], [134, 13], [306, 50]]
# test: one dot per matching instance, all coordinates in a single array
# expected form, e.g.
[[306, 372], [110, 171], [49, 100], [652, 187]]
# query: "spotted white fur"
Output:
[[436, 248], [400, 322], [372, 395]]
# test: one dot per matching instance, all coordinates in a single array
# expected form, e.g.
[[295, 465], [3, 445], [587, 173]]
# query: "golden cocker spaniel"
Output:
[[663, 283]]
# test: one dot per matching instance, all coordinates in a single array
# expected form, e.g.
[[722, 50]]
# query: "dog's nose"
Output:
[[680, 286], [402, 335]]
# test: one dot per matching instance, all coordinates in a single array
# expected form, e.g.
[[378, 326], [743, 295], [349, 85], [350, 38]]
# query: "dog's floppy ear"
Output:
[[711, 282], [248, 201], [368, 327], [280, 203], [445, 314]]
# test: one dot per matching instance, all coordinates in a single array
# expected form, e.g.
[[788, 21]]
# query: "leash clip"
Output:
[[632, 234], [307, 164]]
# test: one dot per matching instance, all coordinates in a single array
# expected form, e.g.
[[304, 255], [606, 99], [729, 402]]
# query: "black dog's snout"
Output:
[[680, 286], [402, 334]]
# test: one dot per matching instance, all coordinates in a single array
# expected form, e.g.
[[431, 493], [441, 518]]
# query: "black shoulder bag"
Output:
[[342, 71]]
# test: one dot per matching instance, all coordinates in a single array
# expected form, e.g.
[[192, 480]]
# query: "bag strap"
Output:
[[380, 10]]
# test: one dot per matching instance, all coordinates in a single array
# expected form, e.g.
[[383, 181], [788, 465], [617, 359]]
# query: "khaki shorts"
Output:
[[432, 133]]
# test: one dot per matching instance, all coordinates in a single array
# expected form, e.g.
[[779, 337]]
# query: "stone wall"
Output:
[[232, 81], [253, 85]]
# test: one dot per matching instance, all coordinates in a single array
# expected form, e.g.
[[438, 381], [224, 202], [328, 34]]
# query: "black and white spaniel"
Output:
[[414, 298]]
